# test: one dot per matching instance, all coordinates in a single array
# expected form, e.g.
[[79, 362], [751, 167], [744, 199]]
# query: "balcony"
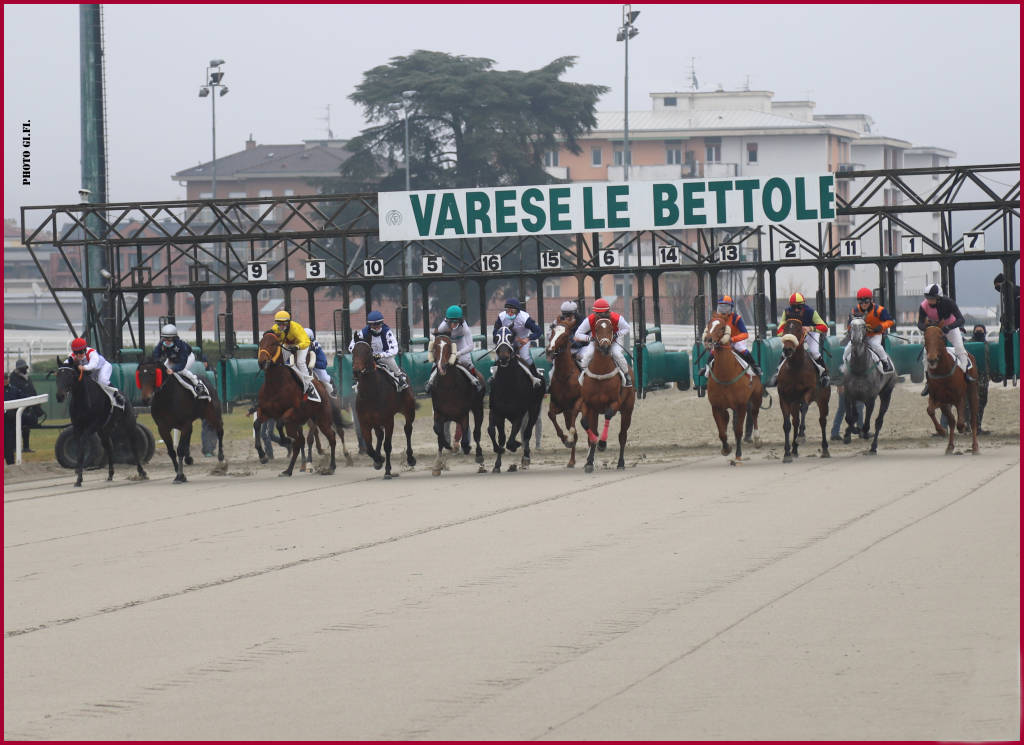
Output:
[[671, 172]]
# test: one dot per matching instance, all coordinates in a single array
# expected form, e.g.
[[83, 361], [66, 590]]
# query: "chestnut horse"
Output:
[[949, 388], [602, 390], [173, 406], [281, 398], [797, 386], [730, 387], [453, 397], [565, 384], [377, 403]]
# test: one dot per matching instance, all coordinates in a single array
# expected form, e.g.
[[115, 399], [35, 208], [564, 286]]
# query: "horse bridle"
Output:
[[373, 363], [271, 358], [503, 341]]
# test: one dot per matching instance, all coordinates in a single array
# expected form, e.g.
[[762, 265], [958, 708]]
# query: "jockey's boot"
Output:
[[629, 378], [887, 365], [825, 382], [403, 382], [749, 358], [201, 389], [538, 379], [477, 378], [925, 391]]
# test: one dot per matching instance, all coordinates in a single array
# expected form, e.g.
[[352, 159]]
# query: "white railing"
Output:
[[21, 404]]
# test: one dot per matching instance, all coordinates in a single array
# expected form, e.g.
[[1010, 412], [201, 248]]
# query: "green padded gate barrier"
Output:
[[662, 367]]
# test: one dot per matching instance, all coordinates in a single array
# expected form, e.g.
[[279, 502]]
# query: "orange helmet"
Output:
[[864, 294], [796, 299], [601, 306], [78, 345]]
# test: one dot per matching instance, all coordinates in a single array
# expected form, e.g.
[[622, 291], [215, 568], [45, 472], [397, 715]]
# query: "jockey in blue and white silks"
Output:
[[320, 362], [384, 345], [177, 355], [524, 329]]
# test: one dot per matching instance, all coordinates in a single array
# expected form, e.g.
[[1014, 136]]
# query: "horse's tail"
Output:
[[336, 418]]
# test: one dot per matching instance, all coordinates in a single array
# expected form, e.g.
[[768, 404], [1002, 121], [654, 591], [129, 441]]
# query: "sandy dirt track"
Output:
[[850, 597]]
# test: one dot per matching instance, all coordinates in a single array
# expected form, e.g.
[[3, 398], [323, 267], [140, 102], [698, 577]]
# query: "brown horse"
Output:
[[798, 386], [453, 397], [729, 386], [565, 384], [603, 391], [281, 398], [173, 406], [377, 402], [949, 388]]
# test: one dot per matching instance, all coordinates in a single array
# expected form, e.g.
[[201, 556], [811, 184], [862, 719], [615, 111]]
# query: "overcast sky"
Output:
[[943, 75]]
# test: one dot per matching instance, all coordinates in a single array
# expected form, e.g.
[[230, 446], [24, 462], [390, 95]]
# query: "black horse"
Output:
[[173, 406], [514, 399], [91, 411]]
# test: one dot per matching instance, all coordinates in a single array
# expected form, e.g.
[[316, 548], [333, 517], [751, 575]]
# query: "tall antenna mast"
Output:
[[693, 75], [330, 134]]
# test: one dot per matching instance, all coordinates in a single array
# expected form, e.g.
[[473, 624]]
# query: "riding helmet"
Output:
[[569, 307], [78, 345], [601, 306], [374, 316], [513, 303], [310, 334], [169, 330], [796, 299], [454, 313], [864, 293], [283, 316], [932, 291]]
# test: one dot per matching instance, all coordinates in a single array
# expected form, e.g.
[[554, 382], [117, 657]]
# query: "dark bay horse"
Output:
[[949, 388], [730, 388], [453, 397], [565, 385], [602, 391], [513, 399], [281, 398], [377, 402], [173, 406], [797, 387], [91, 411], [863, 381]]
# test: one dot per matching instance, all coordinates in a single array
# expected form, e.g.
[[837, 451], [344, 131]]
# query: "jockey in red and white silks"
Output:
[[91, 361], [585, 332]]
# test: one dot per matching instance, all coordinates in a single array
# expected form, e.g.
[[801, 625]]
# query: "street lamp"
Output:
[[404, 106], [214, 76], [626, 32]]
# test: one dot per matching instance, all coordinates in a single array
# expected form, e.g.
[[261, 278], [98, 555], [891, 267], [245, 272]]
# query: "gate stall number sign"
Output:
[[609, 257], [550, 260], [373, 267], [789, 250], [316, 269], [433, 264], [974, 241], [256, 271], [490, 262], [729, 252], [850, 247], [668, 255], [911, 245]]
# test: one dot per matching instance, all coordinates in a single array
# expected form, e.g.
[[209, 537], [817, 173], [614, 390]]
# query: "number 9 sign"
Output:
[[256, 271]]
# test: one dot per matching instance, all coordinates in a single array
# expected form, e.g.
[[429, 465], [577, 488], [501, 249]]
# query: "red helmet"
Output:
[[78, 345], [863, 294], [601, 306], [796, 299]]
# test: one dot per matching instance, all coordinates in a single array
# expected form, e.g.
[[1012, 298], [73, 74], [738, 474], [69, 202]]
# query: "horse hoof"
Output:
[[570, 465], [589, 468], [602, 445], [496, 469], [188, 460], [825, 454], [78, 483], [377, 465], [872, 451], [180, 479], [846, 439], [747, 439], [757, 442], [480, 459], [264, 460], [481, 469], [513, 468], [387, 476], [787, 459], [410, 461], [436, 472], [620, 467], [110, 477], [465, 450], [285, 473]]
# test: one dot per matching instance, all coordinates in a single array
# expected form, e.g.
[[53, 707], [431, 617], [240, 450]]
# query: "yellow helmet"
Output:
[[283, 316]]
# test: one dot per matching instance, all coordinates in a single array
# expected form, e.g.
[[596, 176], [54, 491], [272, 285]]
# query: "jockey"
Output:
[[936, 307], [294, 339], [382, 341], [177, 356], [877, 322], [455, 325], [570, 313], [524, 329], [813, 324], [320, 364], [584, 333], [87, 358], [737, 331]]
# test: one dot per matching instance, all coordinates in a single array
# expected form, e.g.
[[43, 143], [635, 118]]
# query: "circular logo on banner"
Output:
[[393, 217]]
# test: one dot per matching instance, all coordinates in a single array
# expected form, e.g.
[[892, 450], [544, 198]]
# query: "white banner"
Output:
[[598, 207]]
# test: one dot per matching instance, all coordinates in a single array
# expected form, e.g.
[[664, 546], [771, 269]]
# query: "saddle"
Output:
[[739, 358], [117, 399], [395, 380], [314, 394]]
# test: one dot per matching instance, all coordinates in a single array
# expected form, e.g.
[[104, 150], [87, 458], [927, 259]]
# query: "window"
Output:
[[624, 287], [713, 149], [618, 157], [670, 100], [673, 155], [751, 152], [595, 156], [552, 288], [551, 158]]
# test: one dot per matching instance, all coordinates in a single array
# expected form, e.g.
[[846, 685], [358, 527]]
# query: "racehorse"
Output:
[[863, 381], [281, 397], [453, 397], [514, 399], [91, 411], [377, 402], [798, 386], [730, 387], [949, 388], [565, 385], [173, 406], [602, 390]]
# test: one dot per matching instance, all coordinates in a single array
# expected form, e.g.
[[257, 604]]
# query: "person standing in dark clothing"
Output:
[[22, 387], [10, 422], [1005, 297]]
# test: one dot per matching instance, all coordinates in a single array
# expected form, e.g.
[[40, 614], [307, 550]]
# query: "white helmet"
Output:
[[569, 307], [309, 333], [932, 290], [169, 330]]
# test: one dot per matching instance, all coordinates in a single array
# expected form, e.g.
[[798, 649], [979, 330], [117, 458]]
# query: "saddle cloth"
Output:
[[204, 396], [117, 400], [743, 363], [314, 394]]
